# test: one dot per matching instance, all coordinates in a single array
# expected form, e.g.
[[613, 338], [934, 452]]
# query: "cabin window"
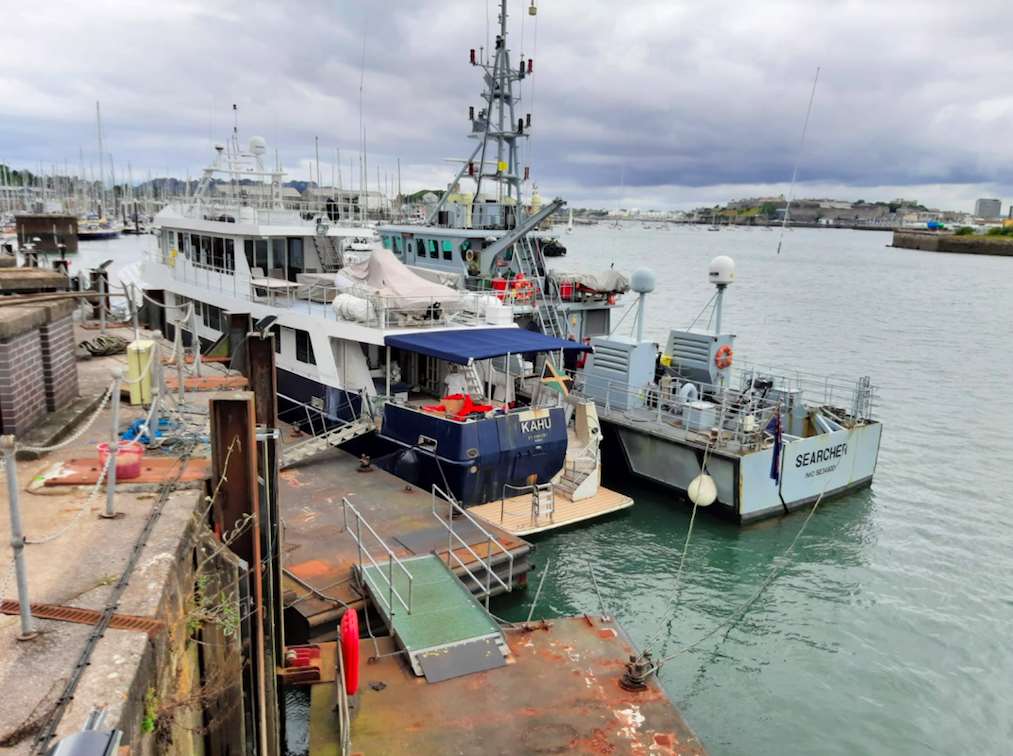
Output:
[[433, 251], [260, 256], [304, 348], [194, 249], [420, 249], [230, 255], [212, 317], [248, 252], [386, 242], [465, 246], [205, 251], [179, 242], [448, 249], [276, 330], [217, 252], [396, 244], [278, 256]]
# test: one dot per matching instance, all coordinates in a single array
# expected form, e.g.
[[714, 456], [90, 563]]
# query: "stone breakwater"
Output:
[[967, 245]]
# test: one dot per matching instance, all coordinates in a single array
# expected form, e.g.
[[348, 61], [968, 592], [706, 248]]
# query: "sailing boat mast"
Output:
[[101, 168]]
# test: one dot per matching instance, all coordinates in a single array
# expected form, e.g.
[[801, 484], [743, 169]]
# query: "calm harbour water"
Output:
[[888, 630]]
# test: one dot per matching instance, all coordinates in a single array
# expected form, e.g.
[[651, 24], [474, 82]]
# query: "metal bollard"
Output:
[[111, 513], [131, 292], [102, 302], [17, 539], [195, 341]]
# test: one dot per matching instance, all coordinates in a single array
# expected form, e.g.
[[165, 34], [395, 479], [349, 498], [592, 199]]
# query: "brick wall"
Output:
[[59, 366], [22, 391]]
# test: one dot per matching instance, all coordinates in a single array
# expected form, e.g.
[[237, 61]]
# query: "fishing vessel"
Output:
[[754, 442], [366, 347], [480, 236]]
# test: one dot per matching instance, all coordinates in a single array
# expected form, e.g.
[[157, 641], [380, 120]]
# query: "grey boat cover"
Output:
[[604, 281], [383, 275]]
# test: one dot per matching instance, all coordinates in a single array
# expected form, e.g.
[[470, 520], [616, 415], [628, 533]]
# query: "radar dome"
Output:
[[642, 281], [721, 271], [258, 145]]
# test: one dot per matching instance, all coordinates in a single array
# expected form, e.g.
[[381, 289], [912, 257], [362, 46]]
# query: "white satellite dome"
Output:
[[721, 271], [258, 145], [642, 281]]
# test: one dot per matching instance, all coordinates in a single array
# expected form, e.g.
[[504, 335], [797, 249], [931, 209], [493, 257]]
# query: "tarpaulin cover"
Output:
[[607, 281], [480, 343], [382, 274]]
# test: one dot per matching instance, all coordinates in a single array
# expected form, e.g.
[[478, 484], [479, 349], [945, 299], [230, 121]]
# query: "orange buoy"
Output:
[[723, 357], [350, 650]]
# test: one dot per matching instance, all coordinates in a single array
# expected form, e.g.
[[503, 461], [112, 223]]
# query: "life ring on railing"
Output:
[[582, 357], [470, 255], [723, 357], [350, 650]]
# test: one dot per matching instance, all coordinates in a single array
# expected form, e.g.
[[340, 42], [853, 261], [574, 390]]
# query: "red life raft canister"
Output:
[[350, 650]]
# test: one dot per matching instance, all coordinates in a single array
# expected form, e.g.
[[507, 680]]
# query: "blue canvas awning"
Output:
[[480, 343]]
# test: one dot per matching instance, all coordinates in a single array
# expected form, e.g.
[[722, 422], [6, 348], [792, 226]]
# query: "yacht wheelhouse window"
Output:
[[433, 251], [420, 249], [217, 252], [248, 252], [230, 255], [304, 348], [448, 249], [195, 249], [179, 242]]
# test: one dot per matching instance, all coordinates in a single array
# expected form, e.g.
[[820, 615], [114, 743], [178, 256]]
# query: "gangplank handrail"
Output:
[[392, 592]]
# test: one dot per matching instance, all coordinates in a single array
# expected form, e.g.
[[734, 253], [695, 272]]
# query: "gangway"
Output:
[[443, 630]]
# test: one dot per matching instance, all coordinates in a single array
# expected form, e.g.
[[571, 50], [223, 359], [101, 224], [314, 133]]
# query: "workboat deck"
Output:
[[515, 515], [320, 555], [561, 694]]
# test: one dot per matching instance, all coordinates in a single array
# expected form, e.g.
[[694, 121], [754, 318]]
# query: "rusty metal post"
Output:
[[259, 356], [17, 539], [237, 511], [239, 327]]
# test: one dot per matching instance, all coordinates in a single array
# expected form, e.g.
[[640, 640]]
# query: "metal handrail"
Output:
[[344, 711], [491, 540], [533, 489], [392, 592]]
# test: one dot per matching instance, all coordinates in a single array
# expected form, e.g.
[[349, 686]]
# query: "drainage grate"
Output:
[[59, 613]]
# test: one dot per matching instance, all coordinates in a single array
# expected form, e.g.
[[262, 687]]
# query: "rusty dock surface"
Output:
[[559, 694], [320, 556]]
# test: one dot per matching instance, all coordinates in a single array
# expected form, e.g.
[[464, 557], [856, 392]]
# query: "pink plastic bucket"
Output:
[[128, 458]]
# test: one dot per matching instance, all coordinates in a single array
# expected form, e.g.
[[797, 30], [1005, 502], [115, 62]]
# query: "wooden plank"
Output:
[[207, 383], [516, 510], [81, 472]]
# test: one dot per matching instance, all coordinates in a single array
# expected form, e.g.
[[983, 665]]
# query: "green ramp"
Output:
[[443, 629]]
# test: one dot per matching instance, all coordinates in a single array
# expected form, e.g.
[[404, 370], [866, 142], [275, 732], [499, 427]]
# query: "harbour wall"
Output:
[[966, 245]]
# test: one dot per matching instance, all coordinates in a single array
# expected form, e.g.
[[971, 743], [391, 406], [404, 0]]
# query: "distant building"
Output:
[[988, 208]]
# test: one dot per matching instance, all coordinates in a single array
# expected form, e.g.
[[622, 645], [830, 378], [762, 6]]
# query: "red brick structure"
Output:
[[59, 365], [22, 386]]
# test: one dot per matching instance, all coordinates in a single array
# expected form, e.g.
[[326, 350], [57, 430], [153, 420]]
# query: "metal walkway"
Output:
[[434, 618]]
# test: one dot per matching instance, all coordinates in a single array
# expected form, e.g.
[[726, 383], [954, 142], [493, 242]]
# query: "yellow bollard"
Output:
[[140, 357]]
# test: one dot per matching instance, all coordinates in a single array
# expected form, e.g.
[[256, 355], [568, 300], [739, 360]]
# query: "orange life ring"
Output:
[[723, 357], [350, 650]]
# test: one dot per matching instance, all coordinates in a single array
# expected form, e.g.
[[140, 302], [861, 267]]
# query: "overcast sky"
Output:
[[684, 103]]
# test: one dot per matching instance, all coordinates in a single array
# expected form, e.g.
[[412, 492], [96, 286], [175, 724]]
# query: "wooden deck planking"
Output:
[[517, 511]]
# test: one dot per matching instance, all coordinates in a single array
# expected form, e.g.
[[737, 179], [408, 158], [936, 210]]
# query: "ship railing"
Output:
[[534, 490], [741, 417], [456, 511], [383, 312], [358, 523], [857, 397]]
